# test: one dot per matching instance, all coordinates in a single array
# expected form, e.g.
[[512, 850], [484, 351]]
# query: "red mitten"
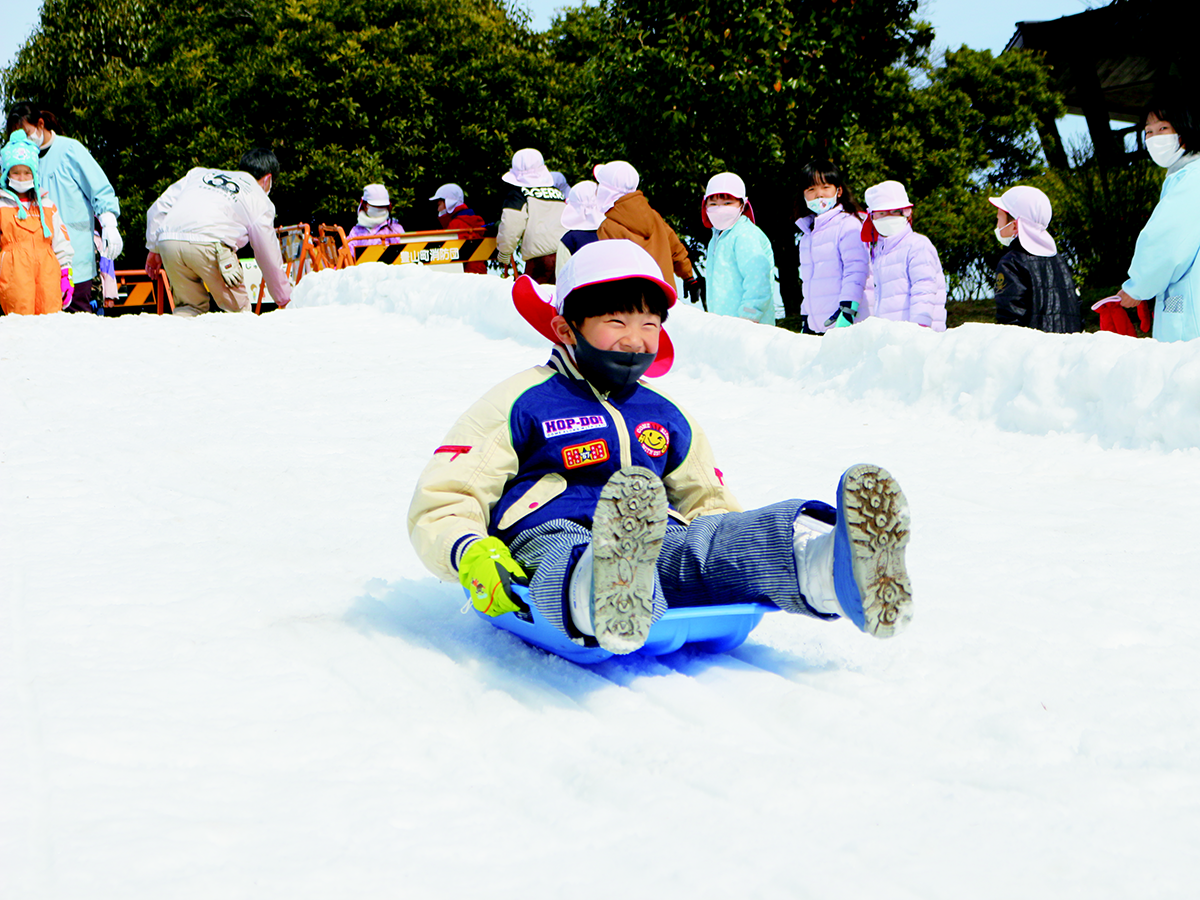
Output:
[[1114, 318], [1144, 316]]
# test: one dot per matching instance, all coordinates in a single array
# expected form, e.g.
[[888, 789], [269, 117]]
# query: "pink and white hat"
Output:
[[528, 170], [1031, 208], [594, 263], [615, 180], [725, 183], [583, 212], [886, 195], [376, 195]]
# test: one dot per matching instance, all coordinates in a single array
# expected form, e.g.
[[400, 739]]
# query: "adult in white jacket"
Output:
[[196, 227]]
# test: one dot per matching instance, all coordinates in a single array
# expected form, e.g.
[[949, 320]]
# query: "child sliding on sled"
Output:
[[601, 494]]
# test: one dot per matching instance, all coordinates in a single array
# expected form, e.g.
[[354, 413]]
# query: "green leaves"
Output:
[[410, 92]]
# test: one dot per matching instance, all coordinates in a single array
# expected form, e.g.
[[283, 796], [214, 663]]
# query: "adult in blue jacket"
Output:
[[740, 262], [1164, 261], [80, 190]]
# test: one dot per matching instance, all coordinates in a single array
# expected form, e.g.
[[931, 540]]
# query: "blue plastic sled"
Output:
[[711, 629]]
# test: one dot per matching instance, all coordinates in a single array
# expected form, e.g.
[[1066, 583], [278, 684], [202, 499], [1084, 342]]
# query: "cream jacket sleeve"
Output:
[[465, 478]]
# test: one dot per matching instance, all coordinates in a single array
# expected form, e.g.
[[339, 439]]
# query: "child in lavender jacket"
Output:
[[833, 260], [909, 283]]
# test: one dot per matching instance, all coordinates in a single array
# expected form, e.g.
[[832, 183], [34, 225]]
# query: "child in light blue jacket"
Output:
[[740, 263]]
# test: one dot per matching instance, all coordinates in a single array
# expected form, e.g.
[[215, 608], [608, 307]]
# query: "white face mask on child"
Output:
[[20, 186], [1005, 241], [723, 217], [890, 225]]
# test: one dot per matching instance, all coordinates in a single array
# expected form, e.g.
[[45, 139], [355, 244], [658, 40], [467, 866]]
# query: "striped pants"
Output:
[[740, 557]]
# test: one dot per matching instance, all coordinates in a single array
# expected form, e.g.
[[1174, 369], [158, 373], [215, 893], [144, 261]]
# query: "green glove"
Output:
[[844, 316], [488, 572]]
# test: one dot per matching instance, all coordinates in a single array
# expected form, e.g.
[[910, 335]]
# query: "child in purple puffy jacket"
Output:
[[833, 260], [909, 283]]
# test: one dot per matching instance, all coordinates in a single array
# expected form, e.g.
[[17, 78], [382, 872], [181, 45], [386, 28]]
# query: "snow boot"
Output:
[[627, 536], [869, 576]]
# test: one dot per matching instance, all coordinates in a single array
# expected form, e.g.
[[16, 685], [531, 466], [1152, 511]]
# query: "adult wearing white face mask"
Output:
[[1163, 267], [80, 190], [375, 217], [739, 265]]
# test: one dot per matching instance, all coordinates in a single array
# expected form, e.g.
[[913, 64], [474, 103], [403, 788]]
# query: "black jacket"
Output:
[[1036, 292]]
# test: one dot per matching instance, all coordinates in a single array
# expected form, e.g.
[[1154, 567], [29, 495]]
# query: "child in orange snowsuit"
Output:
[[35, 253]]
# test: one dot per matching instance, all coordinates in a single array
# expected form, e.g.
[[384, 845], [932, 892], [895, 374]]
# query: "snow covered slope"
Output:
[[224, 674]]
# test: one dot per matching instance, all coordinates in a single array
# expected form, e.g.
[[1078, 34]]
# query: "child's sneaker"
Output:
[[869, 576], [627, 535]]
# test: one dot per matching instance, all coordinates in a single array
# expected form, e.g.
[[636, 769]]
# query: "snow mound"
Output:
[[1136, 394]]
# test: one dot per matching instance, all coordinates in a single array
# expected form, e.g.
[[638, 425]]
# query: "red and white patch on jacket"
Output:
[[653, 437], [590, 454]]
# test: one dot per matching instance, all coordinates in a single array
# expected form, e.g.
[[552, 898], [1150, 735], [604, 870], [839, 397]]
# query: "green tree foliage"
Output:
[[407, 92], [1099, 213], [684, 89], [966, 131]]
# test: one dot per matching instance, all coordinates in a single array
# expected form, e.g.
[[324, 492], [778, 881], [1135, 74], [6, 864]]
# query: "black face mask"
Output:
[[610, 371]]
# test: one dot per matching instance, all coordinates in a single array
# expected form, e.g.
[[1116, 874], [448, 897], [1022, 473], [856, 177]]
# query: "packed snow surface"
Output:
[[224, 673]]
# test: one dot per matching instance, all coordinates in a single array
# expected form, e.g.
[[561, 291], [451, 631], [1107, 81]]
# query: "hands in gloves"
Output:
[[844, 316], [110, 237], [488, 571]]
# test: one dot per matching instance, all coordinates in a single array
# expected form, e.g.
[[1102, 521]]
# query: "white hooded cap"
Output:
[[376, 195], [451, 194], [1031, 208], [528, 170], [615, 179], [886, 195], [583, 212]]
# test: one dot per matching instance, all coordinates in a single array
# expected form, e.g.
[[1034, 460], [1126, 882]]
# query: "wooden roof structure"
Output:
[[1107, 62]]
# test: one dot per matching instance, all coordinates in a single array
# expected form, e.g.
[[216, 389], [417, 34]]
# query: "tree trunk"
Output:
[[775, 219]]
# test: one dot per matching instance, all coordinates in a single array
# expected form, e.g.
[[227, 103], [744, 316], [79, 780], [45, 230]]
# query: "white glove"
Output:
[[110, 237]]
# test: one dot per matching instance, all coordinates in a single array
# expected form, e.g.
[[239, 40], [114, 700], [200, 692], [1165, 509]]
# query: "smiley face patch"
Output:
[[653, 437]]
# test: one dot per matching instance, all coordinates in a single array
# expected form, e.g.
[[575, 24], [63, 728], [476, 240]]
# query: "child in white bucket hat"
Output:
[[580, 480], [909, 283]]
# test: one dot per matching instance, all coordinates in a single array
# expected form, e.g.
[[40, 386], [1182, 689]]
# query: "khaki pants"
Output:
[[193, 267]]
